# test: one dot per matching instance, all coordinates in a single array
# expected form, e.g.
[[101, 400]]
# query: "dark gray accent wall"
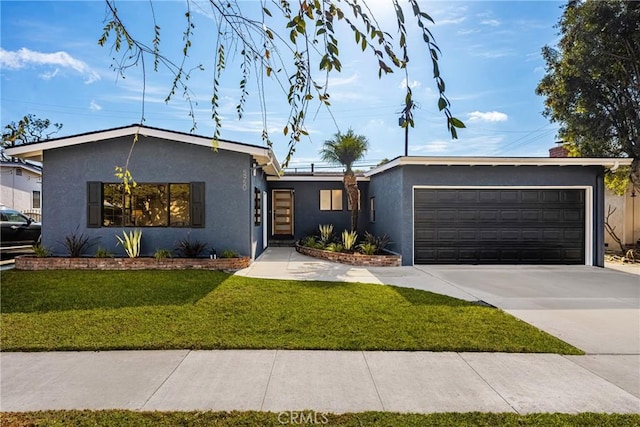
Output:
[[393, 189], [386, 187], [307, 213], [228, 215]]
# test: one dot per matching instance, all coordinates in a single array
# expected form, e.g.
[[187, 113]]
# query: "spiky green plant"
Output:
[[131, 242], [40, 251], [326, 232], [349, 239]]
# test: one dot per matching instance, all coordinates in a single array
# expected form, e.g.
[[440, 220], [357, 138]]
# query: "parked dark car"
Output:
[[17, 228]]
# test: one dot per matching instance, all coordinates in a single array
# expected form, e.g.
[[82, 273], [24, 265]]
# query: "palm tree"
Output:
[[346, 149]]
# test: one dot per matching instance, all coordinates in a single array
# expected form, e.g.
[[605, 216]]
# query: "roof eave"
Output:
[[501, 161], [263, 156]]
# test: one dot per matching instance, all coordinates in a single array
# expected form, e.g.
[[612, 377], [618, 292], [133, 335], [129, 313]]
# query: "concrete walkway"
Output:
[[595, 309], [324, 381]]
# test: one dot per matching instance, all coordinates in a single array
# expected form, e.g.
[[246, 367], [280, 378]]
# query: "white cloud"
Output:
[[490, 22], [342, 81], [93, 106], [433, 147], [451, 21], [21, 58], [48, 75], [413, 84], [489, 116]]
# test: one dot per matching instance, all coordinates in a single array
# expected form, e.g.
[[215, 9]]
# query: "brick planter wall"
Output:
[[356, 259], [28, 262]]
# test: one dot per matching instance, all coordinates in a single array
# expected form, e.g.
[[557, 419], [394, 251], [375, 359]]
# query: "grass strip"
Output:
[[113, 418]]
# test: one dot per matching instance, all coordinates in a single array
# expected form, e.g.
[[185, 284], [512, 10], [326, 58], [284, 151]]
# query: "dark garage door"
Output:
[[506, 226]]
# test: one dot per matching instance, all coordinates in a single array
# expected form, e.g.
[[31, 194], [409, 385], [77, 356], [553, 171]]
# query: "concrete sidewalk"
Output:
[[324, 381]]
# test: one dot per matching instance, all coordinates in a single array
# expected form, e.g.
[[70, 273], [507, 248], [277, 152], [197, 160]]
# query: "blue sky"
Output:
[[52, 66]]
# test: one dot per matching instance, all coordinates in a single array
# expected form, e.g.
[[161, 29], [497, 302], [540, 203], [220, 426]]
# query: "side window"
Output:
[[372, 209], [257, 206]]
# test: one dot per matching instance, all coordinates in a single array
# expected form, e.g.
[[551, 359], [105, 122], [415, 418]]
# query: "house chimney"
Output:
[[558, 151]]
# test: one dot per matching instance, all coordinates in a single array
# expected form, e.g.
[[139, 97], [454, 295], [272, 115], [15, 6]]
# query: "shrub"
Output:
[[308, 241], [368, 248], [77, 244], [311, 242], [228, 253], [334, 247], [131, 243], [162, 254], [41, 251], [326, 233], [103, 253], [380, 242], [190, 249], [349, 239]]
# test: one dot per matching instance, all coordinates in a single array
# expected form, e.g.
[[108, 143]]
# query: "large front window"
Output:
[[147, 205]]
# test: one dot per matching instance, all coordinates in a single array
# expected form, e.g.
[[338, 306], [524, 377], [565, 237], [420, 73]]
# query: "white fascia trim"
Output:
[[314, 178], [588, 208], [264, 156], [501, 161]]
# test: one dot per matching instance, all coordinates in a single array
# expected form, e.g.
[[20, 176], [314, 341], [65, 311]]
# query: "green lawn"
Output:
[[104, 310], [369, 419]]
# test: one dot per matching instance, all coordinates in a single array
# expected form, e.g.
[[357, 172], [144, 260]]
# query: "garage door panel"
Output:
[[551, 196], [572, 215], [499, 226], [469, 215], [510, 235], [509, 196], [549, 215], [468, 196], [530, 197]]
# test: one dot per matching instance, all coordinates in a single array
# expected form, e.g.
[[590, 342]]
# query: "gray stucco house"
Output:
[[437, 210]]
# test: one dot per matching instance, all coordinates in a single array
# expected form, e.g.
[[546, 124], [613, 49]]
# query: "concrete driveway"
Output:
[[595, 309]]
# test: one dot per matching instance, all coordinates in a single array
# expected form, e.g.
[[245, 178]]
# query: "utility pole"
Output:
[[404, 121]]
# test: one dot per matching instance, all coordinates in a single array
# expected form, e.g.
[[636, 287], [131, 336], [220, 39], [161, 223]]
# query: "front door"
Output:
[[282, 203]]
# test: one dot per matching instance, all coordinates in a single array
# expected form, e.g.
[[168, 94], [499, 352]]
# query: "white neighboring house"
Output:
[[21, 186]]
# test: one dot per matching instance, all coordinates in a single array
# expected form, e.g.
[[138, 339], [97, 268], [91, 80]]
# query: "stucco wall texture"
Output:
[[228, 192], [393, 190]]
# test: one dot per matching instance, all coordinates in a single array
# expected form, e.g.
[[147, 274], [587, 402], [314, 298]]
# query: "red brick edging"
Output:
[[356, 259], [29, 262]]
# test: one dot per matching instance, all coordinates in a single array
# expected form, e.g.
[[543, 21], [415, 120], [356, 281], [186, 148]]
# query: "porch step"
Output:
[[280, 243]]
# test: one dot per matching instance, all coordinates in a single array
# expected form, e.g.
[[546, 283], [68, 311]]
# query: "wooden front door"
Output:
[[282, 202]]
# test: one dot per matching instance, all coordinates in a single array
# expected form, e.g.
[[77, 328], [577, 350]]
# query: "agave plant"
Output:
[[131, 243], [349, 239]]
